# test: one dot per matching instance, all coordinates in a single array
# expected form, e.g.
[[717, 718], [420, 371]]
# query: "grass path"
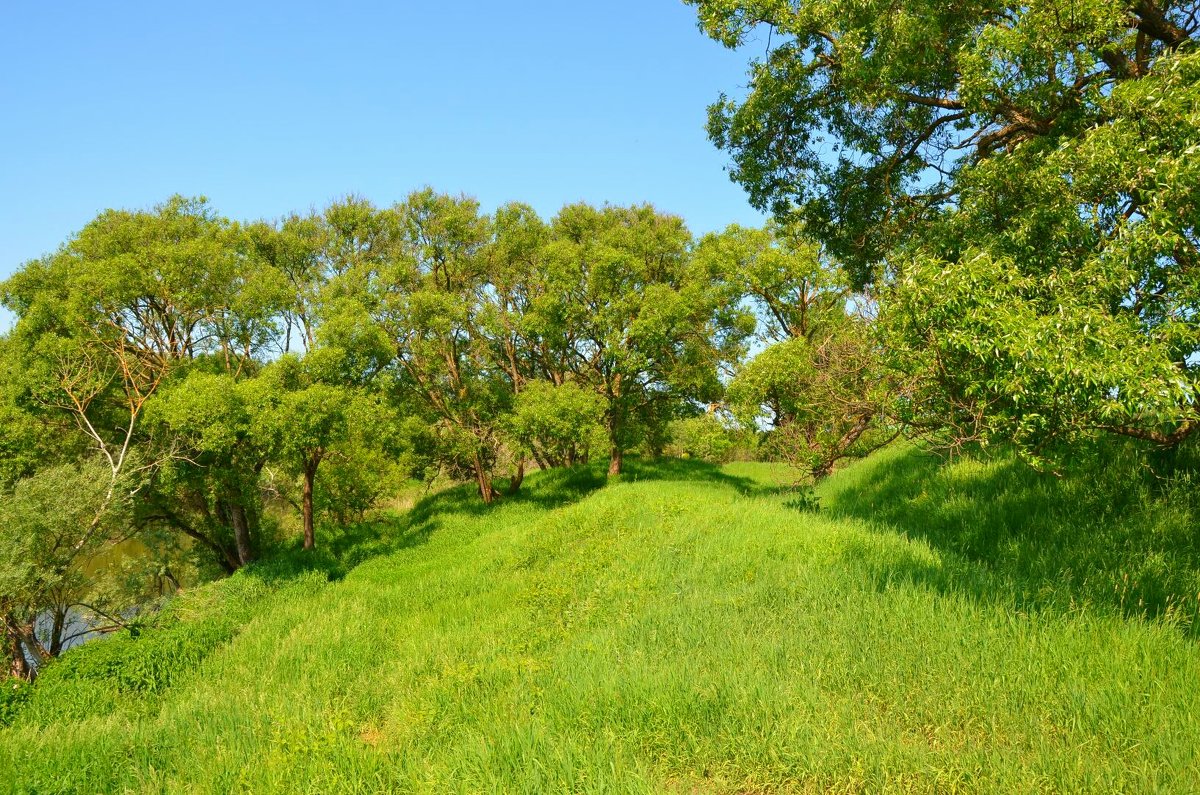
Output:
[[659, 635]]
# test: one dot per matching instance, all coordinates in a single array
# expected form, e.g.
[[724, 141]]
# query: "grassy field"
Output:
[[690, 629]]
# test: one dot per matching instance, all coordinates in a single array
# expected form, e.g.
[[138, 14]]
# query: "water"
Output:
[[82, 624]]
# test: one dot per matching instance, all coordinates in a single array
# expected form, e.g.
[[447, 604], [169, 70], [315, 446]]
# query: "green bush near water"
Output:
[[682, 631]]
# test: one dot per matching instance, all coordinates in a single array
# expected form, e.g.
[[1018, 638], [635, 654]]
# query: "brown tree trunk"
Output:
[[615, 459], [18, 665], [241, 534], [616, 454], [486, 490], [310, 477], [514, 485]]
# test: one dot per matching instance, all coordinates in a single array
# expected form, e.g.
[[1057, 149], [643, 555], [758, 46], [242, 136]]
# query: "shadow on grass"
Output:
[[687, 470], [1106, 534]]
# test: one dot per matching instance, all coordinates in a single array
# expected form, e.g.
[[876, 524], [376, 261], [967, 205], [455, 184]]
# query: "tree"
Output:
[[121, 311], [821, 399], [1017, 180], [428, 301], [208, 486], [818, 388], [306, 418], [632, 316], [313, 252], [792, 288], [132, 301], [713, 437], [558, 423], [52, 520]]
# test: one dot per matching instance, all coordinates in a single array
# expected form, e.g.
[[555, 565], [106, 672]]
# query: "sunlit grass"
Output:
[[681, 631]]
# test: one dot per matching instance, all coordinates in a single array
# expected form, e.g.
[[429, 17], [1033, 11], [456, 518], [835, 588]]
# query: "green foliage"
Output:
[[207, 485], [52, 521], [49, 519], [636, 317], [13, 695], [559, 424], [820, 400], [1020, 183], [708, 438], [361, 474], [795, 291]]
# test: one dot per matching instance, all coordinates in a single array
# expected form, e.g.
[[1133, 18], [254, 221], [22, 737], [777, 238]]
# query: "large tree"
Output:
[[127, 308], [818, 388], [304, 417], [1023, 178], [633, 316], [428, 299]]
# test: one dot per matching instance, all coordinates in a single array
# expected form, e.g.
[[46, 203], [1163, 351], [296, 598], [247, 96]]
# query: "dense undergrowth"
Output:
[[964, 627]]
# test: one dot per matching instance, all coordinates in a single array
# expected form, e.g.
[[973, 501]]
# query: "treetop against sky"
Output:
[[270, 108]]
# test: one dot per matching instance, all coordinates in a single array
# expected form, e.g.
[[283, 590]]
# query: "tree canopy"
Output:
[[1018, 182]]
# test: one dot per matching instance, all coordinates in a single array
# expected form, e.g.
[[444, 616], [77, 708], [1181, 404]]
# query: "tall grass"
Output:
[[684, 630], [1114, 531]]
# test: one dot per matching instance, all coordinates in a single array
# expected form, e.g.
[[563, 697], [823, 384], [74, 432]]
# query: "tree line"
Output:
[[171, 372]]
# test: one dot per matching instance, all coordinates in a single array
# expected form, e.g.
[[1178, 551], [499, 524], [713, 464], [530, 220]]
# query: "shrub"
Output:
[[708, 438]]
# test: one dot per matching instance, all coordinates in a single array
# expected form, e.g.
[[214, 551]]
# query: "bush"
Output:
[[708, 438]]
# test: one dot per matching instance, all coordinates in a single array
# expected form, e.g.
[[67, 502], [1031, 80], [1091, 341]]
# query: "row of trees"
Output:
[[173, 372], [987, 229]]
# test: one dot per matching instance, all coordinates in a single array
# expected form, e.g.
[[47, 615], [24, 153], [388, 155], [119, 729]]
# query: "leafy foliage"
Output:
[[1019, 181], [822, 400], [560, 424], [708, 437]]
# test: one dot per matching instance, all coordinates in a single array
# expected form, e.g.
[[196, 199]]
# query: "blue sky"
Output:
[[270, 108]]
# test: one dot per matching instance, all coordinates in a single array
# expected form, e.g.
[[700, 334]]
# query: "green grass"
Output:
[[683, 630]]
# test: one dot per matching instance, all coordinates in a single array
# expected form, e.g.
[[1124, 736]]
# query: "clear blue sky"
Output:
[[268, 108]]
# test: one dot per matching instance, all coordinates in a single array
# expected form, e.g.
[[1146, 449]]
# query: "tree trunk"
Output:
[[514, 485], [310, 477], [56, 630], [18, 665], [241, 534], [486, 490], [615, 459], [616, 454]]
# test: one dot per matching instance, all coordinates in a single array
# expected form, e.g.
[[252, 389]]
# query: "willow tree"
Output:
[[634, 317], [1020, 180], [130, 304], [303, 417], [427, 300], [818, 387]]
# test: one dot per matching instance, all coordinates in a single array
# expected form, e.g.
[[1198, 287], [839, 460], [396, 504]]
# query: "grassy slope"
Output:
[[683, 631]]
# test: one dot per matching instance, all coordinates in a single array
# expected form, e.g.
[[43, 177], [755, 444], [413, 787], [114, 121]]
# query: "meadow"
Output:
[[913, 626]]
